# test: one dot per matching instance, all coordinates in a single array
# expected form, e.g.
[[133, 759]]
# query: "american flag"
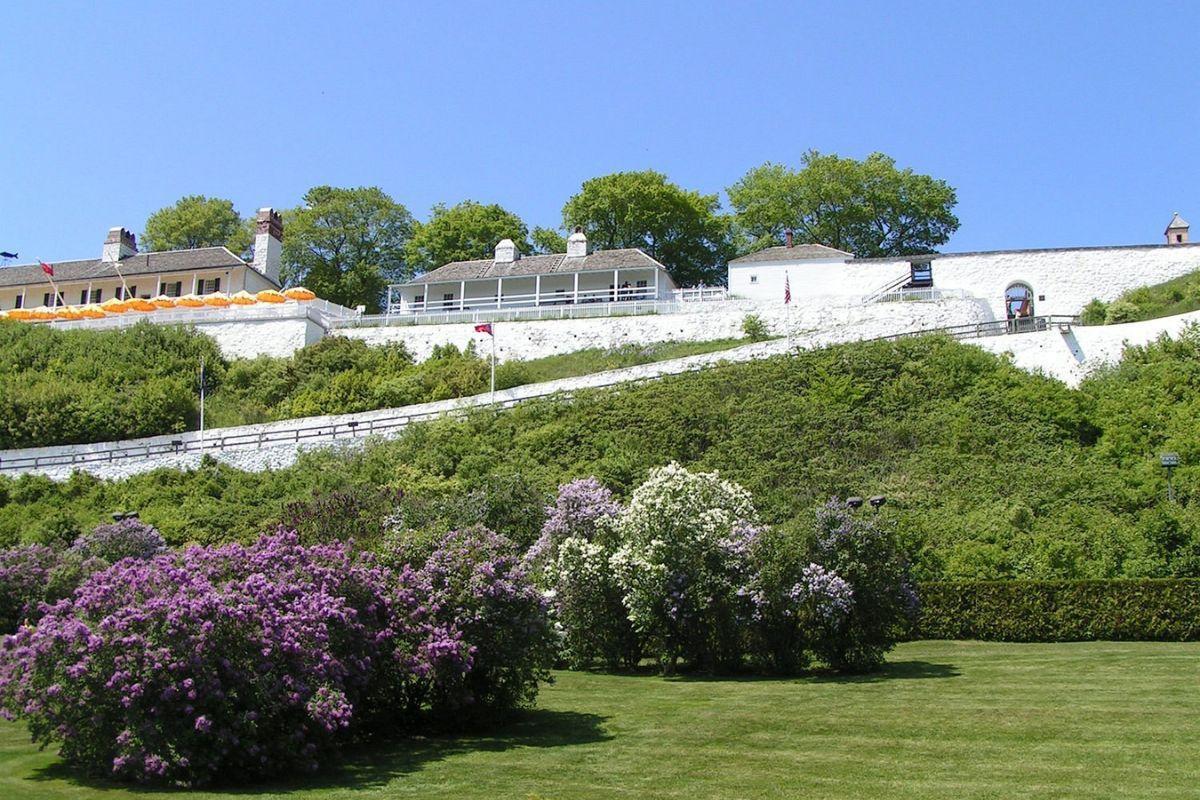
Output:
[[485, 328], [787, 289]]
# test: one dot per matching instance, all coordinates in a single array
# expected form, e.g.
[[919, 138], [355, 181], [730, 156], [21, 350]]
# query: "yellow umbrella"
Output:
[[114, 306], [3, 315], [243, 298], [92, 311], [271, 296], [219, 299], [162, 301], [190, 301], [299, 293], [42, 313], [21, 314], [140, 304]]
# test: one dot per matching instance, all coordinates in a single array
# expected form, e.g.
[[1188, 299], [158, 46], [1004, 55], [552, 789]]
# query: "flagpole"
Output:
[[201, 404], [49, 270], [787, 314], [493, 364]]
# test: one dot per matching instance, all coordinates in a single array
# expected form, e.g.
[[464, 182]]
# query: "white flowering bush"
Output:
[[683, 563]]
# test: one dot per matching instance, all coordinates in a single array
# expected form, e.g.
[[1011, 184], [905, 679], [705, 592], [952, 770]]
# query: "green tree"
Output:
[[467, 231], [683, 229], [548, 240], [347, 244], [198, 221], [869, 207]]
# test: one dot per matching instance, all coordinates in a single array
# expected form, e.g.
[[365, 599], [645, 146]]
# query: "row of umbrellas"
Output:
[[115, 306]]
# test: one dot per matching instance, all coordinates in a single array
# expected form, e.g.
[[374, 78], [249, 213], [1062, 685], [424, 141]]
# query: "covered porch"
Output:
[[530, 291]]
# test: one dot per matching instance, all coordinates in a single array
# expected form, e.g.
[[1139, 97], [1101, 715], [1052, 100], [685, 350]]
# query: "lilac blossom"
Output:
[[831, 596]]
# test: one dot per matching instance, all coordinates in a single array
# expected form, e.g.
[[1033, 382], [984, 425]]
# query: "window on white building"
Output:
[[94, 297], [754, 279], [126, 294], [173, 289], [210, 285]]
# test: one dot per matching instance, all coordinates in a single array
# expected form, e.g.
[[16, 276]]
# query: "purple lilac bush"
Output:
[[24, 574], [235, 660], [129, 538]]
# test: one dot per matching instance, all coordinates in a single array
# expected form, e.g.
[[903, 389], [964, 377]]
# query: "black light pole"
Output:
[[1169, 461]]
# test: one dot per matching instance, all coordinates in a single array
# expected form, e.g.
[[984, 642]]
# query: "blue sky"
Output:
[[1059, 124]]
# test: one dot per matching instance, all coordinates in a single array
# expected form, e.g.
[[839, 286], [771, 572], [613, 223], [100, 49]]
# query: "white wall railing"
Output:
[[323, 312]]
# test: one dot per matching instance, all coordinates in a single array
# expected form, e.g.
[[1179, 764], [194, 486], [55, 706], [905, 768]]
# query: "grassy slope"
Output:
[[946, 720], [1167, 299], [595, 359]]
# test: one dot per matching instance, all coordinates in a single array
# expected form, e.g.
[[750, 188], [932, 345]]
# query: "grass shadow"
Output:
[[376, 764], [890, 671]]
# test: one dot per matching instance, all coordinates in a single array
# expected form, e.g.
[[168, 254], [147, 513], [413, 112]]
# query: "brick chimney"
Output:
[[121, 243], [268, 243], [1177, 230], [787, 238], [506, 252], [577, 246]]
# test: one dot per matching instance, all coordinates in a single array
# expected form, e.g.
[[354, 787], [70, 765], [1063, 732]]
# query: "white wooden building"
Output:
[[512, 281]]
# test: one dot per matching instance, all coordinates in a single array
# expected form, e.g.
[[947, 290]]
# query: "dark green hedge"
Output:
[[1061, 611]]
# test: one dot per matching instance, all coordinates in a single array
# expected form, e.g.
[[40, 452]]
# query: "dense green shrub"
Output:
[[754, 328], [1057, 611], [1094, 313], [1119, 311]]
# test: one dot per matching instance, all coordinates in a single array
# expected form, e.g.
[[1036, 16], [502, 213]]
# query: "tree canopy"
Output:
[[347, 245], [197, 221], [463, 232], [870, 208], [681, 228]]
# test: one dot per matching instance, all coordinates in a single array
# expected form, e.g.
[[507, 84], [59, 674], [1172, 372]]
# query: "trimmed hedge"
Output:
[[1061, 611]]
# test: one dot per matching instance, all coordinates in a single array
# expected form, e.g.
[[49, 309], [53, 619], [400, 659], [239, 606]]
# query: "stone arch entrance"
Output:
[[1018, 301]]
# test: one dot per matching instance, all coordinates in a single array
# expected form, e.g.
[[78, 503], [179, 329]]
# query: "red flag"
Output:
[[787, 289], [46, 268], [485, 328]]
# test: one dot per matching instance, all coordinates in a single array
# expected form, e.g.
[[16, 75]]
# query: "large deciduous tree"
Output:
[[197, 221], [870, 208], [467, 231], [683, 229], [347, 244]]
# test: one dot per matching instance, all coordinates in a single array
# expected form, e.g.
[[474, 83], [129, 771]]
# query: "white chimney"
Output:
[[121, 243], [577, 244], [268, 243], [506, 252]]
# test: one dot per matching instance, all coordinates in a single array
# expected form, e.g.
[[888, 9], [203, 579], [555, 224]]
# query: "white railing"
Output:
[[927, 293], [701, 294], [559, 297], [322, 312], [567, 311]]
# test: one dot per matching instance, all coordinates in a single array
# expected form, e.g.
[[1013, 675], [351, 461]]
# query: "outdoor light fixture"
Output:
[[854, 502], [1170, 461], [877, 501]]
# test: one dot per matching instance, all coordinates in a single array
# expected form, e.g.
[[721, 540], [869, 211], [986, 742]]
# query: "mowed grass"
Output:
[[944, 720], [596, 359]]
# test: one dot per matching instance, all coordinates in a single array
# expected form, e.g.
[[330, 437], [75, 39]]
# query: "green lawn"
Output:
[[597, 359], [945, 720]]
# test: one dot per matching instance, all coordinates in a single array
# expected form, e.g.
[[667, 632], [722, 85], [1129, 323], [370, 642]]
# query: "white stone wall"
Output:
[[698, 322], [267, 337]]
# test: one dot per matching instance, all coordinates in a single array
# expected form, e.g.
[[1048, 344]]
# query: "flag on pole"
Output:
[[787, 289], [46, 268], [485, 328]]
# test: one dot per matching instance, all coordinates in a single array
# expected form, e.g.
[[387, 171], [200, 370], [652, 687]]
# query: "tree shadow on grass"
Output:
[[890, 671], [376, 764]]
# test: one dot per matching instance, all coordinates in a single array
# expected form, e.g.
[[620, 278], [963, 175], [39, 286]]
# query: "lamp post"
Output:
[[1169, 461]]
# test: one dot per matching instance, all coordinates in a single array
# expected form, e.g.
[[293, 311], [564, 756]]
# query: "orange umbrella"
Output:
[[162, 301], [270, 296], [67, 312], [21, 314], [299, 293], [42, 313], [219, 299], [114, 306], [140, 304], [92, 311], [243, 298], [190, 301]]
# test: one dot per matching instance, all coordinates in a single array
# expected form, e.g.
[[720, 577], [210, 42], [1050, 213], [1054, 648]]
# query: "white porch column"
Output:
[[195, 283], [575, 301], [462, 295], [499, 292], [616, 287], [89, 295], [537, 290], [656, 284]]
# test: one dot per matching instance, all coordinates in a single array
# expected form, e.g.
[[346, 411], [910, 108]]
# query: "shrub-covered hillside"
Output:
[[989, 471], [78, 386], [1176, 296]]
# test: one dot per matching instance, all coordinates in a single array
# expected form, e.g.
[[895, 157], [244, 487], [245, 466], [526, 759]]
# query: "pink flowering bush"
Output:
[[233, 660], [477, 584]]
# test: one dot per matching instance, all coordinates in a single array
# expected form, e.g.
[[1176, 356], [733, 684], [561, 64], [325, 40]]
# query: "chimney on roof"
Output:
[[121, 243], [1177, 230], [506, 252], [268, 243], [577, 246], [787, 238]]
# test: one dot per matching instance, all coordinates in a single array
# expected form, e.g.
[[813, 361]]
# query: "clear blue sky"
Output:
[[1059, 124]]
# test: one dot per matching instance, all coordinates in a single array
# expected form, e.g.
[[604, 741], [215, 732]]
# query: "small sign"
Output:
[[1169, 459]]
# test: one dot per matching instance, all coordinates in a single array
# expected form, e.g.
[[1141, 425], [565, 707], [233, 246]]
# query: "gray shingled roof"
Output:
[[557, 263], [141, 264], [1177, 222], [799, 252]]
